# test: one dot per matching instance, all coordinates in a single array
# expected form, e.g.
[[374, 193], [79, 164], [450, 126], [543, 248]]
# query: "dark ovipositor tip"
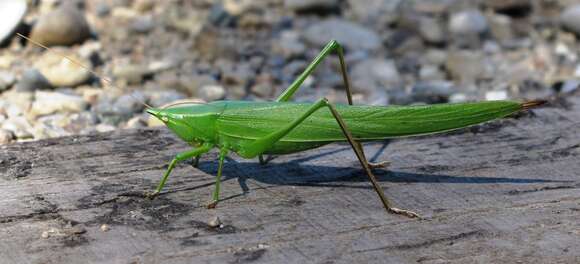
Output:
[[533, 103]]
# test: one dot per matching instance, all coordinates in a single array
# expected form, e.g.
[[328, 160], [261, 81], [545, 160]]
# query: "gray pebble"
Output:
[[65, 26], [159, 98], [467, 22], [496, 95], [143, 24], [128, 104], [7, 79], [569, 86], [433, 91], [212, 92], [32, 80], [570, 18], [351, 35], [6, 136], [131, 74], [378, 73], [289, 45], [19, 126], [60, 72], [501, 28], [56, 102], [50, 126], [432, 30], [465, 66]]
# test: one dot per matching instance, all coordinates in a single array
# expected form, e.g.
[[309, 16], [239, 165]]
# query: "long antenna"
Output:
[[102, 78]]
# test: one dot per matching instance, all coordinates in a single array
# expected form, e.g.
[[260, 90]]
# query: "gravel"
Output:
[[159, 52]]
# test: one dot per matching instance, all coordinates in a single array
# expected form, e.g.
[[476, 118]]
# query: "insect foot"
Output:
[[212, 205], [406, 213], [382, 164], [151, 195]]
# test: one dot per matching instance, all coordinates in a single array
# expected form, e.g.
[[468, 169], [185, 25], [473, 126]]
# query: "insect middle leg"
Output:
[[179, 157], [260, 145], [331, 46], [216, 192]]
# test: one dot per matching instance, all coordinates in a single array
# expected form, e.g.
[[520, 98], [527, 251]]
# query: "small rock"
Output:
[[19, 126], [50, 126], [7, 60], [190, 84], [435, 56], [65, 26], [212, 92], [433, 92], [136, 122], [143, 24], [162, 65], [465, 66], [238, 7], [378, 73], [105, 128], [382, 11], [7, 79], [154, 122], [52, 102], [18, 103], [570, 18], [436, 7], [144, 6], [289, 45], [569, 86], [431, 30], [159, 98], [11, 14], [458, 98], [500, 28], [105, 228], [128, 104], [32, 80], [496, 95], [102, 9], [214, 222], [6, 136], [351, 35], [132, 74], [431, 72], [264, 86], [61, 72], [311, 5], [469, 22]]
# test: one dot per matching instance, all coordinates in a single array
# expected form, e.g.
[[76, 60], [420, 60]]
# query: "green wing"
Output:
[[251, 120]]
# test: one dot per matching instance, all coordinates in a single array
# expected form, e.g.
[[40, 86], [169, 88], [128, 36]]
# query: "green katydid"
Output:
[[254, 129]]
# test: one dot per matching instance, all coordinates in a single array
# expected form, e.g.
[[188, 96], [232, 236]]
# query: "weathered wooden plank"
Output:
[[504, 191]]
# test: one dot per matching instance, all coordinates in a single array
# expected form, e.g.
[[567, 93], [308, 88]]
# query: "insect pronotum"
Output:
[[254, 129]]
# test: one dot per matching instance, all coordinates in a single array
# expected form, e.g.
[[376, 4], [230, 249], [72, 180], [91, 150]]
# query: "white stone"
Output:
[[496, 95]]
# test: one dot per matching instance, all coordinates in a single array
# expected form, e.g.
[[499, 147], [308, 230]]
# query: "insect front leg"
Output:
[[179, 157], [216, 192], [260, 145]]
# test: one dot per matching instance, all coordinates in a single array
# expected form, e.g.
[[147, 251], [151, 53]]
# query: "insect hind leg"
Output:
[[258, 146]]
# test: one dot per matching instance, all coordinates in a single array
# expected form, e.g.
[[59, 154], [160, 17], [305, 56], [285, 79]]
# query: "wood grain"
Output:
[[505, 191]]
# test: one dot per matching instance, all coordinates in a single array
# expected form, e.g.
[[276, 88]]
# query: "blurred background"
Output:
[[397, 52]]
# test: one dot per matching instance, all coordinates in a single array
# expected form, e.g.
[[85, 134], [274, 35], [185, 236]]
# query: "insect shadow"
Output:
[[334, 168]]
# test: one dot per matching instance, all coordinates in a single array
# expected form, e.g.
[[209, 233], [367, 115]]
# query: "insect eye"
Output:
[[164, 119]]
